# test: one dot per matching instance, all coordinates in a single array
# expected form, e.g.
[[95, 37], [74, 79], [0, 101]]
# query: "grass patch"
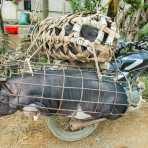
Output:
[[144, 78]]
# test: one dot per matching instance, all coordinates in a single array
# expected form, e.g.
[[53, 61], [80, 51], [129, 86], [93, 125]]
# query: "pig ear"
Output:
[[2, 82], [11, 88]]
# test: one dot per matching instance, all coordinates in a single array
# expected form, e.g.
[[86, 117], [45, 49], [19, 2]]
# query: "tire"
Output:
[[64, 135]]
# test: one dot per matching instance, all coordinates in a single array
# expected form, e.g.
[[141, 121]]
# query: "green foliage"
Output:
[[4, 44], [146, 5], [75, 4], [143, 31], [144, 78], [135, 3], [90, 5], [85, 5]]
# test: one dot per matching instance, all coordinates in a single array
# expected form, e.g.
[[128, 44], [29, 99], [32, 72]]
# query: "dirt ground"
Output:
[[130, 131]]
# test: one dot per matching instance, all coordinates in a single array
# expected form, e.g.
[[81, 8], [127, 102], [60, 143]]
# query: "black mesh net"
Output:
[[67, 90]]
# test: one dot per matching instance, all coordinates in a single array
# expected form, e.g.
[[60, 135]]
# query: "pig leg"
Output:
[[32, 111]]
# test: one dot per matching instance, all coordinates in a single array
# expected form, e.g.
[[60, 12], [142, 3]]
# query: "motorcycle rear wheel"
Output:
[[65, 135]]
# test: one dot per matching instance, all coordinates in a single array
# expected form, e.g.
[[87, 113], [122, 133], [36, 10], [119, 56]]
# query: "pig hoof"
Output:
[[31, 111]]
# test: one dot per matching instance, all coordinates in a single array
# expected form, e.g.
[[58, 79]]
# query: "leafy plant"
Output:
[[75, 4], [144, 78], [135, 3], [84, 5], [143, 31], [90, 5]]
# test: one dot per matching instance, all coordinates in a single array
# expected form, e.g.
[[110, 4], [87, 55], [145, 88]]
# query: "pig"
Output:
[[51, 91]]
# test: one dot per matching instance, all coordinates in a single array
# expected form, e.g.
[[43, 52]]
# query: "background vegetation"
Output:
[[131, 16]]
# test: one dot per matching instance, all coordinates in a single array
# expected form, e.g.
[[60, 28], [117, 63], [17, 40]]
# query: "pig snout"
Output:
[[5, 108]]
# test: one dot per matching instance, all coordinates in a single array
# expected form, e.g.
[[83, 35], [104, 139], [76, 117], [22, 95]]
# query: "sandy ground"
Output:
[[130, 131]]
